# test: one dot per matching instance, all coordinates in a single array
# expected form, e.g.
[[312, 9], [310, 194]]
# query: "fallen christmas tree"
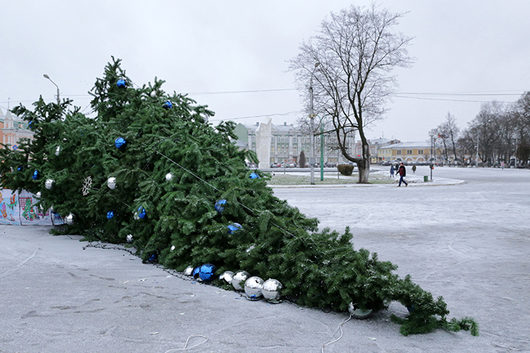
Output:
[[149, 169]]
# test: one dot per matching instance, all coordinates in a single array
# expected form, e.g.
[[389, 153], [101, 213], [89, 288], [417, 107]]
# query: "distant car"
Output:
[[275, 165]]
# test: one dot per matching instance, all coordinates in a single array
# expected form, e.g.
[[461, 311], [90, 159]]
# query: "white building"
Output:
[[288, 141]]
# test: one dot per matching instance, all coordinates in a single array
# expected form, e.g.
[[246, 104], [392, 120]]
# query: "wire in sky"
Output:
[[448, 99], [459, 94], [245, 91], [258, 116], [397, 94]]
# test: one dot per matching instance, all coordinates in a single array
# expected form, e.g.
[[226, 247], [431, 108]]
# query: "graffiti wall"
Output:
[[20, 209]]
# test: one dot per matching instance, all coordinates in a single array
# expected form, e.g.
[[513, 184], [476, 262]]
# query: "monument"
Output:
[[263, 144]]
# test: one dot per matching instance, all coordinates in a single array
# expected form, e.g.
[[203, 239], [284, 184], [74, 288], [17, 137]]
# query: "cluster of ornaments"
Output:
[[253, 286]]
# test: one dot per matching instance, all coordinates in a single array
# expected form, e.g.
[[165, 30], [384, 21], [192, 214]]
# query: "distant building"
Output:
[[12, 129], [409, 152], [375, 146], [288, 141]]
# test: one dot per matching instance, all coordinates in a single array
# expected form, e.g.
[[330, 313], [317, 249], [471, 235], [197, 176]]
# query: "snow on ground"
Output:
[[468, 242]]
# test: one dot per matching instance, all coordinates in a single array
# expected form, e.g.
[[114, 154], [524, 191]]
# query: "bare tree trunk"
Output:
[[446, 157], [363, 174], [364, 165]]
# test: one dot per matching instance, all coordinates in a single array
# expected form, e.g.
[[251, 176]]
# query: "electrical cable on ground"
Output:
[[341, 334], [186, 344]]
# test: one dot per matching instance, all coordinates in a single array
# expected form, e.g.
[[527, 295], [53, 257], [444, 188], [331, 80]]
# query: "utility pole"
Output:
[[312, 126]]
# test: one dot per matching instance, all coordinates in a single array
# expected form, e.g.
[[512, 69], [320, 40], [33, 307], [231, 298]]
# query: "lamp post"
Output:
[[48, 77], [431, 164], [312, 126]]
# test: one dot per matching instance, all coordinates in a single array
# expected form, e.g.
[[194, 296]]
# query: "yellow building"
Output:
[[12, 129], [408, 152]]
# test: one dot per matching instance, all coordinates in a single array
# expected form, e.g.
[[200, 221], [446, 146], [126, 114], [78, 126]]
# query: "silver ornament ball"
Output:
[[188, 271], [253, 287], [227, 276], [172, 248], [272, 289], [239, 279], [129, 238], [38, 195], [153, 94], [58, 150], [358, 313], [69, 219], [169, 177], [111, 183], [49, 183]]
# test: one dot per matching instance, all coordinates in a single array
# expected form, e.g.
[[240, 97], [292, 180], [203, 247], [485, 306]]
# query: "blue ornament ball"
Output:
[[254, 175], [220, 205], [19, 168], [142, 212], [30, 125], [152, 258], [234, 227], [195, 273], [206, 272], [35, 175], [121, 83], [120, 142], [110, 214], [167, 105]]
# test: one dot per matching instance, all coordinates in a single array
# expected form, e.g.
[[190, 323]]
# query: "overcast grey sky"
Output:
[[202, 47]]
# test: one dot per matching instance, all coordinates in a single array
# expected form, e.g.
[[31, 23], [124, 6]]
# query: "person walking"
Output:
[[392, 171], [402, 173], [414, 168]]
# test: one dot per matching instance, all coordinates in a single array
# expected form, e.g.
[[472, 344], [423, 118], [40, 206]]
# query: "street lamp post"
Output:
[[58, 98], [431, 164]]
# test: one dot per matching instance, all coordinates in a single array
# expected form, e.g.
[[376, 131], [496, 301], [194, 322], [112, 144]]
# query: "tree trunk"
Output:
[[364, 165], [363, 174]]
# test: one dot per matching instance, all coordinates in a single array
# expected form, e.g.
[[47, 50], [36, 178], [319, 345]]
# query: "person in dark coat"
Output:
[[392, 171], [402, 173]]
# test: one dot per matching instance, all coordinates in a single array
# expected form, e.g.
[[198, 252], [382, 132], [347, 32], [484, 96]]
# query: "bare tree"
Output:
[[451, 130], [447, 133], [348, 65]]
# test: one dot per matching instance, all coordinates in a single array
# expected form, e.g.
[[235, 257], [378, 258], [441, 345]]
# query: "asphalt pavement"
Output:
[[468, 242]]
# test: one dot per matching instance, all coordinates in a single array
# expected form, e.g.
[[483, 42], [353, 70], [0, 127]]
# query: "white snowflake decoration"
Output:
[[87, 184]]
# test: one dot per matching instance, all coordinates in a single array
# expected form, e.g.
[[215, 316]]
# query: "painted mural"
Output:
[[8, 207], [21, 209]]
